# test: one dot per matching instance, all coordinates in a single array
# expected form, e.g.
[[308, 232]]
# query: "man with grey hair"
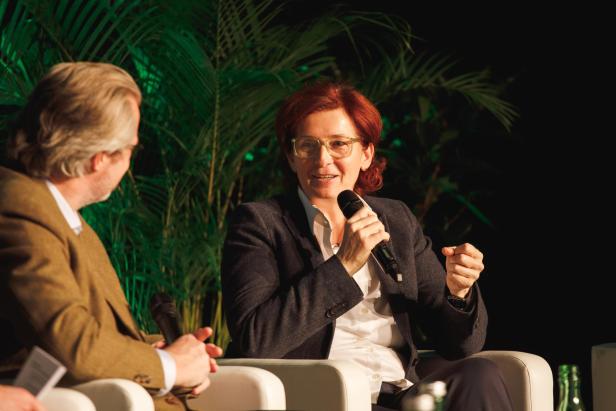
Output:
[[58, 289]]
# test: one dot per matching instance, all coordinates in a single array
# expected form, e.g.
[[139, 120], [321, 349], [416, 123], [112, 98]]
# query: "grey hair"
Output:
[[75, 111]]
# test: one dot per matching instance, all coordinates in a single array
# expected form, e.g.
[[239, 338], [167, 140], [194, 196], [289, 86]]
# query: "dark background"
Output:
[[549, 260]]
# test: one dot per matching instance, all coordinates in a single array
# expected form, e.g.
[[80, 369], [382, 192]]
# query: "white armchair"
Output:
[[330, 385], [604, 377], [101, 395], [116, 394], [232, 388], [65, 399], [528, 378], [319, 385], [235, 388], [62, 399]]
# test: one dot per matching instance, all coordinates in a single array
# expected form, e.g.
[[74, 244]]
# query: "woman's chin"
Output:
[[325, 190]]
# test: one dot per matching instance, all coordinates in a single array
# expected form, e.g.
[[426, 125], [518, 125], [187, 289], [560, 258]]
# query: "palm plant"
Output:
[[429, 166], [37, 34], [213, 74]]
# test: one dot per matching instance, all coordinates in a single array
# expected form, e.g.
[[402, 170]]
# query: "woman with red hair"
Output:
[[299, 281]]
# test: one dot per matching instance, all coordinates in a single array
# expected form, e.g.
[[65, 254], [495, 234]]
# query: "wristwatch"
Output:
[[457, 302]]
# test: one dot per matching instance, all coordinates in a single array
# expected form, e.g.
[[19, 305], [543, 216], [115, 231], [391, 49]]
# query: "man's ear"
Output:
[[98, 161], [291, 161]]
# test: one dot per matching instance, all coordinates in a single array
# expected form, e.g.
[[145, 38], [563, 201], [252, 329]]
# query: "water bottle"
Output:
[[438, 390], [420, 402], [569, 382]]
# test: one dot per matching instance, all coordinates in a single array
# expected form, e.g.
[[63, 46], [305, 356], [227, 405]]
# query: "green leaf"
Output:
[[474, 210]]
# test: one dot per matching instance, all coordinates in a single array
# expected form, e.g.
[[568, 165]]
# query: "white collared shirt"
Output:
[[74, 221], [71, 216], [367, 334]]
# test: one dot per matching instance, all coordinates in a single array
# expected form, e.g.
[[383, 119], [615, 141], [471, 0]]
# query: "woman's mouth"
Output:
[[324, 176]]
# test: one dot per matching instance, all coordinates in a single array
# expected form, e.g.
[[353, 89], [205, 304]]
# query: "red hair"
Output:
[[324, 96]]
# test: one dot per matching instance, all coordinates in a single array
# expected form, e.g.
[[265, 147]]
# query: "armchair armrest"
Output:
[[603, 377], [236, 388], [316, 385], [65, 399], [115, 394], [528, 378]]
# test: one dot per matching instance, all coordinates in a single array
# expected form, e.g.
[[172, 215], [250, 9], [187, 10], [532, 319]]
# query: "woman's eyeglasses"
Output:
[[336, 146]]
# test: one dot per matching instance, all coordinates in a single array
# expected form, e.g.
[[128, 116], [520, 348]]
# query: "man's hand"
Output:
[[463, 263], [18, 399], [212, 350], [194, 360]]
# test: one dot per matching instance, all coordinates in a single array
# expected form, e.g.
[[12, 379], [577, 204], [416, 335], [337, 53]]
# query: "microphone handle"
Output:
[[166, 316], [387, 261], [349, 204], [169, 327]]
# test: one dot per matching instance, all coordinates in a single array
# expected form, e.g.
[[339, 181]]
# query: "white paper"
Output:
[[40, 373]]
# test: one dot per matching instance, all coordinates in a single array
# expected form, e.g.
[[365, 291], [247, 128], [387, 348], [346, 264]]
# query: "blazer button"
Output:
[[170, 399], [336, 310], [141, 379]]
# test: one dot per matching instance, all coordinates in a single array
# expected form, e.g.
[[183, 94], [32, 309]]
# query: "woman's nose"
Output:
[[324, 157]]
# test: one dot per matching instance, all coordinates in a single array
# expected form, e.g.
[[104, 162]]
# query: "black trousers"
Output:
[[473, 384]]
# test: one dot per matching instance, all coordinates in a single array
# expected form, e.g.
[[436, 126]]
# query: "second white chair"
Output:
[[331, 385], [233, 388]]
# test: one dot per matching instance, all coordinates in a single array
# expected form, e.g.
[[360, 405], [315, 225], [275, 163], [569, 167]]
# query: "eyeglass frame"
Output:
[[322, 144]]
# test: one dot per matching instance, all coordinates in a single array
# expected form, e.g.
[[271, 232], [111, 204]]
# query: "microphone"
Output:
[[166, 316], [350, 203]]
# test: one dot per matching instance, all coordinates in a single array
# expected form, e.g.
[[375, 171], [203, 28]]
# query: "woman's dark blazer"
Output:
[[281, 299]]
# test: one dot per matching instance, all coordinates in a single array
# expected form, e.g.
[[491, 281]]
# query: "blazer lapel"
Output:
[[294, 216], [108, 282], [388, 285], [400, 311], [119, 305]]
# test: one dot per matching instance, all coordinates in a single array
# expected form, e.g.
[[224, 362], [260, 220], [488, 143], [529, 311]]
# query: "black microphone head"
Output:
[[162, 303], [166, 316], [349, 203]]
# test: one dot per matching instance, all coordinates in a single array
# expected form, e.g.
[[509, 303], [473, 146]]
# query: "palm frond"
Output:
[[477, 88], [406, 73], [213, 73], [91, 29], [17, 45]]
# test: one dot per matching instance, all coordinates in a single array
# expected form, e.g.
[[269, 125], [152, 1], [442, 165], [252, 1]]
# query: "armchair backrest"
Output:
[[528, 378], [317, 385], [603, 377]]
